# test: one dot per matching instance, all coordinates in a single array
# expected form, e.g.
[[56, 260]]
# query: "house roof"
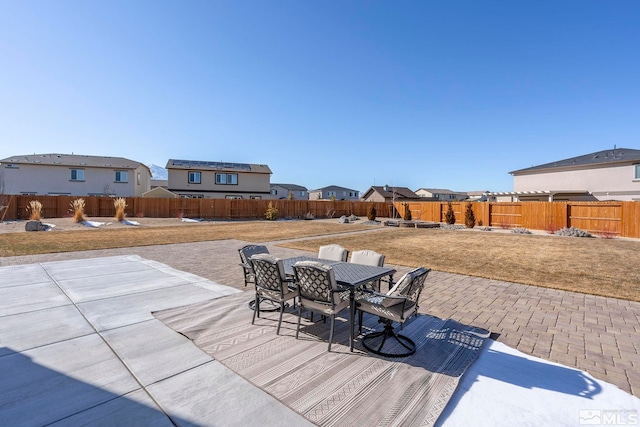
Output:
[[391, 192], [56, 159], [334, 188], [615, 155], [292, 187], [218, 166], [441, 191]]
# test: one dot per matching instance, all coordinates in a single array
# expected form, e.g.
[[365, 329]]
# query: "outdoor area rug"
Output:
[[338, 387]]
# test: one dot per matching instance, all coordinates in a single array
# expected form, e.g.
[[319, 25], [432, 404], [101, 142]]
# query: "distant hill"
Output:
[[158, 172]]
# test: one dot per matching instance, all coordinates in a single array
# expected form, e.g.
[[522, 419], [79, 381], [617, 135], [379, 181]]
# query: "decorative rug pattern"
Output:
[[337, 388]]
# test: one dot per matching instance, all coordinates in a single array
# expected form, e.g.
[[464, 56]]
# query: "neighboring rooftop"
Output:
[[615, 155], [392, 192], [201, 164], [74, 160], [292, 187]]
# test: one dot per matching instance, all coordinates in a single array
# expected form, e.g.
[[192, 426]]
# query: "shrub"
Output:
[[272, 213], [35, 210], [520, 230], [120, 203], [309, 215], [371, 213], [78, 210], [406, 215], [469, 216], [450, 216], [573, 232]]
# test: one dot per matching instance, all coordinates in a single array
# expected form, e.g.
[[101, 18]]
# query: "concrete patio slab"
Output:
[[33, 329], [49, 383], [114, 285], [107, 361], [153, 351], [23, 298], [19, 275], [124, 310], [132, 409], [212, 394]]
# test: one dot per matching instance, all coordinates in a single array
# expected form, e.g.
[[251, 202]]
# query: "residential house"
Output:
[[389, 194], [339, 193], [218, 180], [440, 195], [74, 175], [282, 191], [612, 174], [155, 183], [160, 193]]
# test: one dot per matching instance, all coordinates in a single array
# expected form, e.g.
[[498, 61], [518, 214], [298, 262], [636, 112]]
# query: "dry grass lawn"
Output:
[[607, 267]]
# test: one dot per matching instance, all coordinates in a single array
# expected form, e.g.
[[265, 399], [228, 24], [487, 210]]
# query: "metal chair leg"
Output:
[[299, 317], [255, 311], [333, 321]]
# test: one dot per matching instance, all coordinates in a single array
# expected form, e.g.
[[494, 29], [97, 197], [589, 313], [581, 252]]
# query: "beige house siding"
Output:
[[160, 193], [250, 184], [25, 178], [282, 192], [604, 182]]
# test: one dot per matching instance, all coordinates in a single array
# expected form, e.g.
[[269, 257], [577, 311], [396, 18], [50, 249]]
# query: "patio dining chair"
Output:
[[333, 252], [319, 292], [397, 305], [368, 257], [247, 252], [271, 284]]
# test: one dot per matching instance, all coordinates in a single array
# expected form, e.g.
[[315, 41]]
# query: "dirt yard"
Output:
[[68, 224]]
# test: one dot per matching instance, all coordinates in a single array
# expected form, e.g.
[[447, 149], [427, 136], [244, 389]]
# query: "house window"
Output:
[[637, 172], [121, 176], [274, 192], [302, 194], [138, 178], [77, 174], [352, 194], [227, 178], [331, 193], [194, 177]]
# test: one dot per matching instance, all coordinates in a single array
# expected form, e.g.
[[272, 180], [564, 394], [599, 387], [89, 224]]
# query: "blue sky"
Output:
[[354, 93]]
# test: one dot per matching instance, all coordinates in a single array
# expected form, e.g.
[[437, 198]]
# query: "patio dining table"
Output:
[[349, 275]]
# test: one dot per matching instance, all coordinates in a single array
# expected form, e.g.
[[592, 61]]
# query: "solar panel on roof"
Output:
[[213, 165]]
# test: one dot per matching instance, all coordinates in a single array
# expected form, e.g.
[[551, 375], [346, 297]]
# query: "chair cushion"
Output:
[[367, 257], [324, 308], [333, 253], [275, 295]]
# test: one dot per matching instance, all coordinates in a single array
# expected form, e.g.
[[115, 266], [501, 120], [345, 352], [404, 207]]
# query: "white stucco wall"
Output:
[[606, 183]]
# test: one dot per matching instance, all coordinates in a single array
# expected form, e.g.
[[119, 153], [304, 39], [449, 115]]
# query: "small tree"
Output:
[[407, 212], [371, 213], [272, 213], [290, 195], [469, 216], [450, 216], [332, 198]]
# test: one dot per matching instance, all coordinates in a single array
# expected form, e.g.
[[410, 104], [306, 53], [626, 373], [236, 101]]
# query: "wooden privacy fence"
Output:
[[609, 219], [95, 206], [602, 218]]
